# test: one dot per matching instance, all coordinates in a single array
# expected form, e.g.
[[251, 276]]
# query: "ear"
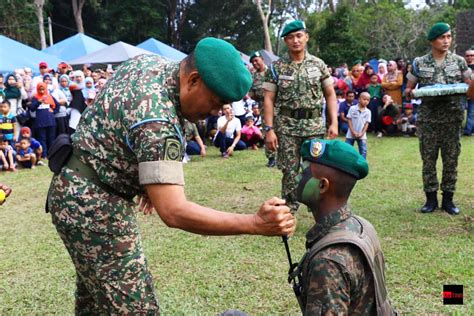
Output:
[[324, 185]]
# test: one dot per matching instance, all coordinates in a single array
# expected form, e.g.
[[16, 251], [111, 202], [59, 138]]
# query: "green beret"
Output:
[[255, 54], [293, 27], [335, 154], [437, 30], [222, 70]]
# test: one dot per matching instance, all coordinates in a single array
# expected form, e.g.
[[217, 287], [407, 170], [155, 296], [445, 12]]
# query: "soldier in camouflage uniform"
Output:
[[342, 272], [256, 93], [294, 89], [130, 143], [439, 119]]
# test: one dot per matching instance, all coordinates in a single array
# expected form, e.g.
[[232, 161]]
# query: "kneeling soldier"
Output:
[[342, 271]]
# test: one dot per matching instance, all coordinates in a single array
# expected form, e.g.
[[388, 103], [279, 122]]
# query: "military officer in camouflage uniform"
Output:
[[439, 119], [342, 271], [256, 93], [295, 86], [130, 143]]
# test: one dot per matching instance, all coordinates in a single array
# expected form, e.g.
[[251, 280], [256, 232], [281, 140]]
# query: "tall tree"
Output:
[[39, 13], [265, 17], [77, 11], [176, 13]]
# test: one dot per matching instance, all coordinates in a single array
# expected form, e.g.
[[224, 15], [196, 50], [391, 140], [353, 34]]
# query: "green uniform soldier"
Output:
[[439, 120], [342, 271], [130, 143], [256, 93], [295, 86]]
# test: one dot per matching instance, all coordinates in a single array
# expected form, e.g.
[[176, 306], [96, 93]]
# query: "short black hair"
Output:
[[5, 101], [189, 63], [350, 91]]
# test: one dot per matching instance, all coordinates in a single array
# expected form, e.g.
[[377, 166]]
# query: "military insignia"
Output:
[[313, 72], [317, 149], [172, 149]]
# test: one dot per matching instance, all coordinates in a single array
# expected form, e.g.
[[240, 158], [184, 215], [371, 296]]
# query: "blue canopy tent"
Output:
[[14, 55], [74, 47], [113, 54], [162, 49]]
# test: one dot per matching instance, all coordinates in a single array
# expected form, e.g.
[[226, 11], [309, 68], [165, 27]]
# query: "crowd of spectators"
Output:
[[35, 109]]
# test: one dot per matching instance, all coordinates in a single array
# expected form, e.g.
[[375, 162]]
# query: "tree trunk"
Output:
[[265, 21], [39, 13], [77, 11]]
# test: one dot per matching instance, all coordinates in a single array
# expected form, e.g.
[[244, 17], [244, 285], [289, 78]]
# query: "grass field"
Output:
[[205, 275]]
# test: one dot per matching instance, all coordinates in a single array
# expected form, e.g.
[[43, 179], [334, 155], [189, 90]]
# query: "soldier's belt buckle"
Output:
[[301, 114]]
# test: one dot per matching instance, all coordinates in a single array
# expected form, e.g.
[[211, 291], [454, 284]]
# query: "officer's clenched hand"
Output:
[[271, 140], [275, 219]]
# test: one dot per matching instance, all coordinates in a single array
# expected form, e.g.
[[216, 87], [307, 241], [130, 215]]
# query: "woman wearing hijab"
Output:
[[45, 106], [392, 82], [64, 98], [79, 78], [364, 80], [88, 87], [14, 93], [382, 69]]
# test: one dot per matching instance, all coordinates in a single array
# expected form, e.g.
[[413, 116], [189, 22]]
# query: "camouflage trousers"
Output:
[[100, 233], [288, 162], [436, 137]]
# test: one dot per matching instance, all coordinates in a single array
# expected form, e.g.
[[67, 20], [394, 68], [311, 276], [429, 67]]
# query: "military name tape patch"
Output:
[[172, 149], [317, 149]]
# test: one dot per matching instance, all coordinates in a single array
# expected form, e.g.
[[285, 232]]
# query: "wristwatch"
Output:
[[267, 128]]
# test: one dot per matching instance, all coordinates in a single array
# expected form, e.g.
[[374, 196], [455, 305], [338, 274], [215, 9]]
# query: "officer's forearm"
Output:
[[177, 212], [268, 107], [331, 102], [470, 91]]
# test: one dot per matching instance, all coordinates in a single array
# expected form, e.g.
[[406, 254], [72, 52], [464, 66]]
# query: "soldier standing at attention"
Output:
[[130, 143], [343, 269], [439, 118], [256, 93], [294, 89]]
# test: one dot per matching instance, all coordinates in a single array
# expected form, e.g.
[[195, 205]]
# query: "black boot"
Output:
[[448, 204], [431, 202]]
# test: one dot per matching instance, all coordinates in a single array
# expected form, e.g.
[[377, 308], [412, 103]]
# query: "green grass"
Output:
[[205, 275]]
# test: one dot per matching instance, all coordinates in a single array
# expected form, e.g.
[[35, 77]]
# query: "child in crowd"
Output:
[[7, 155], [25, 156], [375, 91], [407, 121], [25, 132], [344, 109], [251, 134], [257, 117], [359, 117], [7, 122]]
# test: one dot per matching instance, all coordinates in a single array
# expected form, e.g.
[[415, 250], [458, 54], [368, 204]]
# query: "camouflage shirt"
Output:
[[425, 72], [257, 86], [298, 86], [339, 280], [190, 130], [132, 135]]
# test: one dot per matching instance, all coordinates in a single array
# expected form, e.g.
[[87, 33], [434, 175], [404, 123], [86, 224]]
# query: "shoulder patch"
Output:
[[172, 149]]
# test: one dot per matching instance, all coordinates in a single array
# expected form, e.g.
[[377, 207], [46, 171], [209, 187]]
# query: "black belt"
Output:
[[300, 114], [87, 172]]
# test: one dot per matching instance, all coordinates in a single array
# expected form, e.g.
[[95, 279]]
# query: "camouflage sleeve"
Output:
[[329, 288], [159, 153], [465, 70], [271, 79], [326, 78], [413, 75]]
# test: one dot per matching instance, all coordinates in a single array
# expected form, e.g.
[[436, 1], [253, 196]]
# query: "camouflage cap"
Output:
[[255, 54], [222, 70], [294, 26], [335, 154], [437, 30]]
